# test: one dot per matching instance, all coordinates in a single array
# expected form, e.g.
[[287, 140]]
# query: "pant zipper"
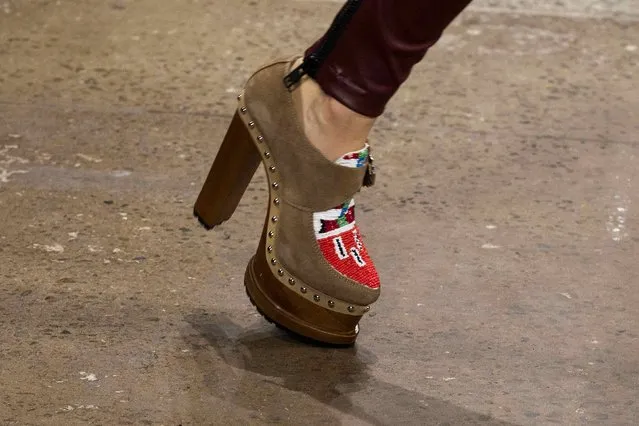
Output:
[[312, 62]]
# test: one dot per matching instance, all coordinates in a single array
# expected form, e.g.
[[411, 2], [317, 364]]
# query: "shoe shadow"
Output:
[[334, 377]]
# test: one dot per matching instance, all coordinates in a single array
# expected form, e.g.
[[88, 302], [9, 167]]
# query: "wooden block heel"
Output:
[[234, 166]]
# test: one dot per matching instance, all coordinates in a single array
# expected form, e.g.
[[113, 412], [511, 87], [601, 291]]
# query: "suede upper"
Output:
[[308, 182]]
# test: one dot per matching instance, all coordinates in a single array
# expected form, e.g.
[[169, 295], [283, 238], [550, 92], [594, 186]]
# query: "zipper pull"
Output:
[[295, 76], [309, 66]]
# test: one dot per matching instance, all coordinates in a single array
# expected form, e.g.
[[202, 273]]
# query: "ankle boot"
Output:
[[293, 279]]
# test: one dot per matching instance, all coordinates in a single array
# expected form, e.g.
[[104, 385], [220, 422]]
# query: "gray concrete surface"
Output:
[[504, 223]]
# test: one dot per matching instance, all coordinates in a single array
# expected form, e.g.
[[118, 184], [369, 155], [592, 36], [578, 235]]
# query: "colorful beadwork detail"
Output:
[[339, 237]]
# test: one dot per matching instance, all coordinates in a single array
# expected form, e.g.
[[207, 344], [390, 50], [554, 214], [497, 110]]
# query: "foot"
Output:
[[312, 273], [330, 126], [341, 135]]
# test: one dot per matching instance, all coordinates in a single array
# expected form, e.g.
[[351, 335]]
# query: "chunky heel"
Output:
[[234, 166]]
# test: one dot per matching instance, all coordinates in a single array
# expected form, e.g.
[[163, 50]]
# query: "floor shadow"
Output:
[[338, 378]]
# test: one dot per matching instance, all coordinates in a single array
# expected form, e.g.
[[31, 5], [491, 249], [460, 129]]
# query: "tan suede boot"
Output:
[[289, 280]]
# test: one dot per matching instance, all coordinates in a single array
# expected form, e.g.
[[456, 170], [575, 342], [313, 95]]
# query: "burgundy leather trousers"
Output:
[[376, 47]]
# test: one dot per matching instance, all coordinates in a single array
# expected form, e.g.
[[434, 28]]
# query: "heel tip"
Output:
[[204, 224]]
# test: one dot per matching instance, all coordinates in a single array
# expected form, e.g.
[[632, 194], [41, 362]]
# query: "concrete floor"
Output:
[[504, 222]]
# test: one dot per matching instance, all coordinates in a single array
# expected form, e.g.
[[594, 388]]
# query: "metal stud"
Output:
[[271, 234], [331, 304], [280, 272], [239, 96], [260, 138], [267, 154], [303, 289], [316, 298], [366, 309], [275, 185], [274, 261], [351, 309], [291, 281], [243, 110], [269, 249], [272, 168], [276, 201], [251, 124], [274, 219]]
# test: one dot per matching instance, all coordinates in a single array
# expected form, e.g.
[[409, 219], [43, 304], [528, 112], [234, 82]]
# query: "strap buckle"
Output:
[[370, 175]]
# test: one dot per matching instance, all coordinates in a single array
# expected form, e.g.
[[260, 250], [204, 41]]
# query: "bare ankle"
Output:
[[354, 125], [330, 126]]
